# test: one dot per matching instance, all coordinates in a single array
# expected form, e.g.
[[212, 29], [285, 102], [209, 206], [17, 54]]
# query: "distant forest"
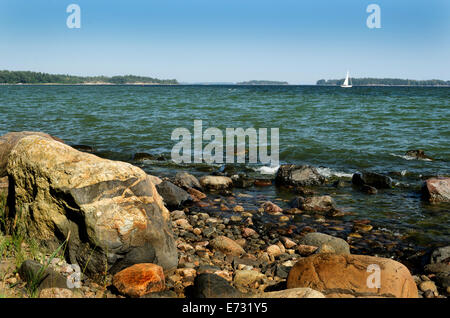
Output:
[[26, 77], [263, 83], [385, 81]]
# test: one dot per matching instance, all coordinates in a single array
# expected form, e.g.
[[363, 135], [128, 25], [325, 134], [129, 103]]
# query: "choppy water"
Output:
[[345, 130]]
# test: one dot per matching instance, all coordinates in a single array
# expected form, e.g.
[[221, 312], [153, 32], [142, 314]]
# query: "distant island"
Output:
[[27, 77], [384, 82], [262, 83]]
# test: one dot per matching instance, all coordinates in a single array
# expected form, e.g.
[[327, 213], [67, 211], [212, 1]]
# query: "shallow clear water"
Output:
[[346, 130]]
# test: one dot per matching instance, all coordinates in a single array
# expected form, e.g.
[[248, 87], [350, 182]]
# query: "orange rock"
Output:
[[196, 195], [139, 280], [353, 276]]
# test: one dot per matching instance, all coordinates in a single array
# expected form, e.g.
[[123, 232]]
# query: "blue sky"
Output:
[[228, 40]]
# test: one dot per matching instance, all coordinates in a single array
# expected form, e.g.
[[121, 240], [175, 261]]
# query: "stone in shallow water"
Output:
[[174, 197], [298, 176], [436, 190], [186, 180], [216, 182], [373, 179]]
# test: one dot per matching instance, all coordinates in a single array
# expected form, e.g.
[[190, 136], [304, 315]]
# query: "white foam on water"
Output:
[[268, 170], [409, 157], [327, 172]]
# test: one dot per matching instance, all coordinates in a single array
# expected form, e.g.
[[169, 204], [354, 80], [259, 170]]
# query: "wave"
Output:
[[267, 170], [327, 172], [409, 157]]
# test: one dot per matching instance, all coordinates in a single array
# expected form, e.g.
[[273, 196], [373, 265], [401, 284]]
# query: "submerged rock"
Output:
[[373, 179], [186, 180], [111, 209], [295, 175], [353, 276], [142, 156], [83, 148], [417, 154], [174, 197], [323, 203], [436, 190]]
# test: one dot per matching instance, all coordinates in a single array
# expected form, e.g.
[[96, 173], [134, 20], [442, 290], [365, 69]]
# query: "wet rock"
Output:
[[417, 154], [238, 209], [247, 232], [208, 285], [298, 176], [142, 156], [373, 179], [326, 243], [436, 190], [216, 182], [242, 181], [83, 148], [139, 280], [288, 243], [348, 276], [368, 189], [174, 197], [33, 272], [227, 246], [440, 255], [270, 207], [196, 195], [291, 293], [185, 180], [320, 204], [56, 293], [263, 183], [111, 205]]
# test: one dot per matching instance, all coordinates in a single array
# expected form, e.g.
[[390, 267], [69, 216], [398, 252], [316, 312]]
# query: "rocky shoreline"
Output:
[[136, 235]]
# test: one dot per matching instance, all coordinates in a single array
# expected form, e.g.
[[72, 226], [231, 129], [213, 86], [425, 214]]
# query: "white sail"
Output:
[[347, 78]]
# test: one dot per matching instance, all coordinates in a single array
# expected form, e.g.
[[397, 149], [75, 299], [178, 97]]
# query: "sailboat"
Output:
[[346, 82]]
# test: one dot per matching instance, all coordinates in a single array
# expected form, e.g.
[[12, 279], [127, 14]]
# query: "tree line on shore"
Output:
[[385, 81], [27, 77]]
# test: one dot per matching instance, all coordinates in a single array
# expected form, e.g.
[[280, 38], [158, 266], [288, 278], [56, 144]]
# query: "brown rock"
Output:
[[436, 190], [273, 250], [306, 250], [270, 207], [227, 246], [348, 276], [196, 195], [139, 280], [246, 232]]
